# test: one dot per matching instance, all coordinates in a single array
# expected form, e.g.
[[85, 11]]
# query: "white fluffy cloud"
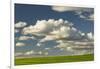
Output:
[[76, 47], [56, 30], [20, 24], [62, 32], [29, 52], [47, 48], [38, 44], [41, 27], [79, 11], [86, 17], [40, 52], [89, 17], [25, 38], [53, 29], [19, 44], [64, 8], [90, 36]]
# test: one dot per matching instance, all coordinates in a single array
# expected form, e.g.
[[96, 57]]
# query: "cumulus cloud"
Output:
[[69, 49], [20, 24], [25, 38], [90, 36], [82, 15], [66, 8], [78, 10], [63, 32], [83, 43], [53, 29], [62, 45], [76, 47], [43, 26], [47, 48], [19, 44], [38, 44], [40, 52], [91, 17], [78, 44], [29, 52]]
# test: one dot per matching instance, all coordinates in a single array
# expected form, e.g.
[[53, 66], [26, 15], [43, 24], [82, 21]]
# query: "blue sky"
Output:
[[31, 13]]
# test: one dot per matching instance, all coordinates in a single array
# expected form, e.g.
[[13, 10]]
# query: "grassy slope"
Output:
[[53, 59]]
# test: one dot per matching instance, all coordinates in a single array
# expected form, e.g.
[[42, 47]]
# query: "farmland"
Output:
[[53, 59]]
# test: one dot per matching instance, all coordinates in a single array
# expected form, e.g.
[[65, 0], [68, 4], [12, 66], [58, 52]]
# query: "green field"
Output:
[[53, 59]]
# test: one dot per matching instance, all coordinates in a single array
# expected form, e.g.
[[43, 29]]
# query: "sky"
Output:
[[42, 30]]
